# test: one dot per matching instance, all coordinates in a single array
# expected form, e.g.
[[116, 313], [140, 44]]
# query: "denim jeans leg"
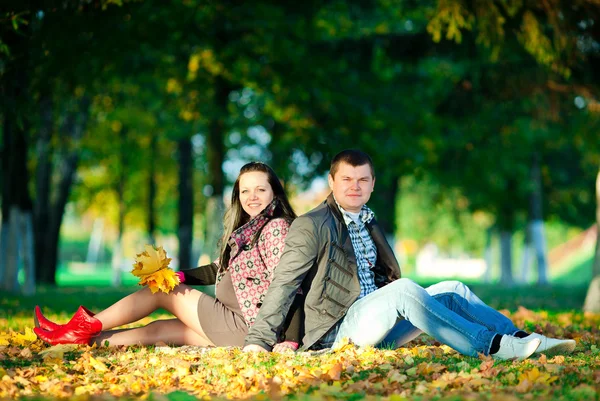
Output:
[[460, 299], [371, 318], [400, 334]]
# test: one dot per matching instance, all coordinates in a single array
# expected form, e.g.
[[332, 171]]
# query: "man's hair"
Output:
[[352, 157]]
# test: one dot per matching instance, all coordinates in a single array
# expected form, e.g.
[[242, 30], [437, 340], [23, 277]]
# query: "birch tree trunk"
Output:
[[117, 259], [506, 276], [536, 222]]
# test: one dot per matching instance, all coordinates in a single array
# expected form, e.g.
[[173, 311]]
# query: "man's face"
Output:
[[352, 186]]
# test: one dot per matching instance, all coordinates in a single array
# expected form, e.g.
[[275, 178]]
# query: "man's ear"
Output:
[[330, 181]]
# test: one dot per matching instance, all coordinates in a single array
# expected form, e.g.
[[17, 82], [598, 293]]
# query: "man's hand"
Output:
[[254, 348]]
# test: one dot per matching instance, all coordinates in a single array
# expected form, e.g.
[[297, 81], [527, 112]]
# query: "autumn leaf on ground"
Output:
[[26, 338], [57, 351], [531, 377]]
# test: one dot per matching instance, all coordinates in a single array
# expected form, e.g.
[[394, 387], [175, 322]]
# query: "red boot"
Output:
[[42, 322], [80, 329]]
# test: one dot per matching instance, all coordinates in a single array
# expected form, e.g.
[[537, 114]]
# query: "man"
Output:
[[338, 255]]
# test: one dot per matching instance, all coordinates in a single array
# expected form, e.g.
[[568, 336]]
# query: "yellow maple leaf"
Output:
[[57, 351], [152, 267], [150, 261], [164, 280], [24, 339]]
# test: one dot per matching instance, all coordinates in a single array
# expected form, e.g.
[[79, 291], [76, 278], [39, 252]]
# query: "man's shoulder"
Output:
[[316, 218], [321, 212]]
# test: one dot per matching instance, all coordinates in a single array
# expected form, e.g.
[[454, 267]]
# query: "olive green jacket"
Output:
[[320, 259]]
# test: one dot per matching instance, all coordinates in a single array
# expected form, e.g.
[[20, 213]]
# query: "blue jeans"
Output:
[[447, 311]]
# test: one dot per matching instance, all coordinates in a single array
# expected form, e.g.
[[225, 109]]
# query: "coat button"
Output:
[[246, 247], [323, 312]]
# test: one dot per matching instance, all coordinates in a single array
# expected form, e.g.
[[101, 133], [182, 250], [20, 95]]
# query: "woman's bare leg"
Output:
[[181, 302], [172, 332]]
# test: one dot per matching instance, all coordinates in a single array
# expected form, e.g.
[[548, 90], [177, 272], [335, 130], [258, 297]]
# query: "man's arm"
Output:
[[301, 249]]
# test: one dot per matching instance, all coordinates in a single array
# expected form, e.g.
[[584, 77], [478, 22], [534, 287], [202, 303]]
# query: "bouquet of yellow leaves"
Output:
[[152, 267]]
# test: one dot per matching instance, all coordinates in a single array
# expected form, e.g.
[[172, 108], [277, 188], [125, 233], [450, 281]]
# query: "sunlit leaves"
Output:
[[152, 267], [420, 368], [538, 44], [451, 17]]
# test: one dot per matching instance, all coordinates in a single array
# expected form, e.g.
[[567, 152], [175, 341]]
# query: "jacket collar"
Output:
[[244, 234], [332, 204]]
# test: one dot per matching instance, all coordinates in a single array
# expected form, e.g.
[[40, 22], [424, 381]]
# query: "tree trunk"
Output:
[[95, 244], [215, 151], [526, 257], [186, 203], [536, 222], [592, 299], [152, 190], [10, 282], [15, 201], [117, 259], [43, 173], [74, 128], [27, 255], [384, 204], [7, 140], [14, 100], [488, 255], [506, 276]]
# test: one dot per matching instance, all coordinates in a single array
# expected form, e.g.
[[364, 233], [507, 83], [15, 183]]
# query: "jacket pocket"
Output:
[[340, 267], [329, 280]]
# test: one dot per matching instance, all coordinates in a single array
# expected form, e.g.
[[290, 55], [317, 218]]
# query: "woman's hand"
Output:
[[285, 346]]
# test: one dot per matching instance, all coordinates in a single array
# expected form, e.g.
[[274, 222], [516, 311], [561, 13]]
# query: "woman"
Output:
[[255, 227]]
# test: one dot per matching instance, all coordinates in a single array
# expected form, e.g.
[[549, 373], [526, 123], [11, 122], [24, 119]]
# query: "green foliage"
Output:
[[428, 212], [293, 85]]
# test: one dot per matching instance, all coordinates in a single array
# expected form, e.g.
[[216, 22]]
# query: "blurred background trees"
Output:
[[125, 122]]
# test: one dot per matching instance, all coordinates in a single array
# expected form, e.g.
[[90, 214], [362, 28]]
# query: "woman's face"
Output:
[[255, 192]]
